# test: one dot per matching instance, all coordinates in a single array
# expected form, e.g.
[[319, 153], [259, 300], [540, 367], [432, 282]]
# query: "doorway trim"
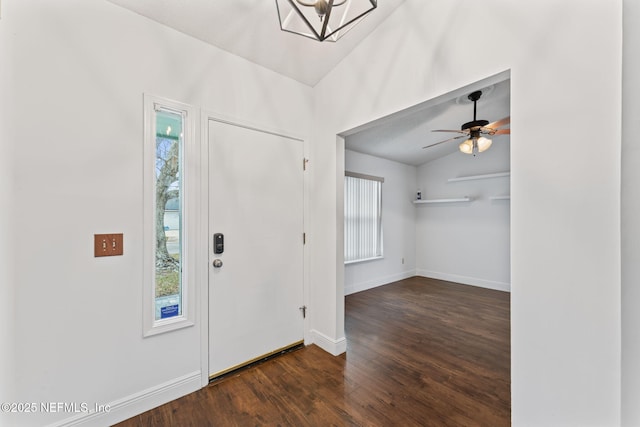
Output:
[[203, 239]]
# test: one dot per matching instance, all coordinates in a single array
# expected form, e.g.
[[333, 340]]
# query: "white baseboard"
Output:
[[473, 281], [378, 281], [137, 403], [334, 347]]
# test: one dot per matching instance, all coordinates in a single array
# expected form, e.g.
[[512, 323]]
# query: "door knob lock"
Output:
[[217, 263]]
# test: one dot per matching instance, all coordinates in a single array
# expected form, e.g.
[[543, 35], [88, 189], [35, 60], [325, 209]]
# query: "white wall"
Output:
[[630, 215], [7, 330], [398, 218], [465, 242], [565, 62], [73, 75]]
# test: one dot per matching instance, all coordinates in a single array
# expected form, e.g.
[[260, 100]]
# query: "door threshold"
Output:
[[253, 362]]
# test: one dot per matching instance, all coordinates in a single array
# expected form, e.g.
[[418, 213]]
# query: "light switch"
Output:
[[108, 244]]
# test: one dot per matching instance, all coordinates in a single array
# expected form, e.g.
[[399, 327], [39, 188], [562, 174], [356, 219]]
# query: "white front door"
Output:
[[256, 196]]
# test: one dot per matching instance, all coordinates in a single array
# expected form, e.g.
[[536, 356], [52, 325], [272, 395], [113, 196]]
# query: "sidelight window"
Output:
[[168, 133]]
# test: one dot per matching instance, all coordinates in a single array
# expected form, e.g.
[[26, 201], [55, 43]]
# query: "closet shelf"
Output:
[[459, 199], [484, 176]]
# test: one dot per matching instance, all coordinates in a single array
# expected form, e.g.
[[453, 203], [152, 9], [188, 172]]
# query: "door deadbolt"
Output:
[[217, 263], [218, 243]]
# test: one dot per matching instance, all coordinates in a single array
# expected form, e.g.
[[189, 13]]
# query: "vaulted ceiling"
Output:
[[251, 29]]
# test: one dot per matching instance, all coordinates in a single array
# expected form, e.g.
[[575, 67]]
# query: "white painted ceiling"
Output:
[[251, 29], [401, 136]]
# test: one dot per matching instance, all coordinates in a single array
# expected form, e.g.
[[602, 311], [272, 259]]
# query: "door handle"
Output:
[[217, 263]]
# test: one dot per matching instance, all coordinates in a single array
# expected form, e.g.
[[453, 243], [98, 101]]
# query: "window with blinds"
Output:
[[362, 217]]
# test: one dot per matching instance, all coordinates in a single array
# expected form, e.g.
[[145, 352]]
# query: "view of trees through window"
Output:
[[168, 214]]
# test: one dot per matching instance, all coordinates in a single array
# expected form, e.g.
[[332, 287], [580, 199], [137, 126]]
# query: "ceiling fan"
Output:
[[475, 130]]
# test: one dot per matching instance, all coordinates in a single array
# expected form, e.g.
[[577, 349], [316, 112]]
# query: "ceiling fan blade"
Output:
[[492, 132], [499, 123], [451, 130], [446, 140]]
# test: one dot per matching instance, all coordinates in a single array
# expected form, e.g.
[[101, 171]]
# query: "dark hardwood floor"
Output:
[[421, 352]]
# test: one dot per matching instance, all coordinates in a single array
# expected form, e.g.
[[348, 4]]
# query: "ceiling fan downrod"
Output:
[[474, 96]]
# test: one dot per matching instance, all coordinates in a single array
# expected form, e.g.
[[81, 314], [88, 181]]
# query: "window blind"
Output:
[[362, 217]]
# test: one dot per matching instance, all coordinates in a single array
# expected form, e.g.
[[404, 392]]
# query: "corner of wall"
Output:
[[331, 346]]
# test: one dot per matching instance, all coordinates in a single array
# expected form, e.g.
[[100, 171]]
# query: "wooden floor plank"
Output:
[[420, 352]]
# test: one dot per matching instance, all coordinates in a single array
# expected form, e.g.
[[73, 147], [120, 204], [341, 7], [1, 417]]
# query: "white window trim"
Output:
[[381, 234], [151, 326], [356, 261]]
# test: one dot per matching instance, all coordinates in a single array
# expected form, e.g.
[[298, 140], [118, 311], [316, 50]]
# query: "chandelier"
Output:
[[322, 19]]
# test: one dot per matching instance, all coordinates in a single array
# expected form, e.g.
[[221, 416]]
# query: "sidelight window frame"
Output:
[[188, 178]]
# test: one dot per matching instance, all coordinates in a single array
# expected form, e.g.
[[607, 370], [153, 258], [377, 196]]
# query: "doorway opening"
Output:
[[446, 213]]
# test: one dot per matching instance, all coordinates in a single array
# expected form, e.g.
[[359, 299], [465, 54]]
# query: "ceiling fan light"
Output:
[[466, 147], [483, 144]]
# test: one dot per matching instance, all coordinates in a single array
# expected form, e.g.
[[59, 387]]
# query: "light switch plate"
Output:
[[108, 244]]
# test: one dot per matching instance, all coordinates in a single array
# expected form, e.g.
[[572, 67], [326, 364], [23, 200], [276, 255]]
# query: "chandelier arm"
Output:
[[323, 9], [325, 23], [313, 3], [306, 3]]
